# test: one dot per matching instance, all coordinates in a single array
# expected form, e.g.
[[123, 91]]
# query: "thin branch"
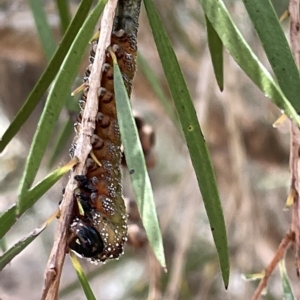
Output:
[[83, 147], [289, 237]]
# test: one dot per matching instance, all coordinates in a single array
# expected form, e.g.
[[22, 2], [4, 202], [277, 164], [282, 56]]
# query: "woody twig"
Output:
[[289, 237]]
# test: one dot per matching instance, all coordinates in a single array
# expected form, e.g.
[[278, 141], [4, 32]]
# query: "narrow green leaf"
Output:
[[61, 138], [287, 289], [59, 91], [268, 28], [82, 278], [71, 287], [19, 247], [194, 137], [137, 167], [43, 27], [241, 52], [10, 217], [47, 77], [43, 186], [3, 245], [7, 219], [64, 14], [155, 84], [216, 52]]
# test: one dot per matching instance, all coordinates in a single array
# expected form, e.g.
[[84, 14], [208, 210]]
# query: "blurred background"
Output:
[[250, 159]]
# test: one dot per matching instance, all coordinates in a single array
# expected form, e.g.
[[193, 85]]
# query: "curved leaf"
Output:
[[30, 197], [43, 28], [287, 289], [216, 52], [40, 88], [64, 14], [144, 66], [61, 139], [194, 137], [7, 219], [137, 167], [241, 52], [19, 247], [82, 278], [268, 28]]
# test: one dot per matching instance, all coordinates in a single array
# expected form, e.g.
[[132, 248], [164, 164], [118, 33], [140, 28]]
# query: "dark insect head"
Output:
[[87, 242]]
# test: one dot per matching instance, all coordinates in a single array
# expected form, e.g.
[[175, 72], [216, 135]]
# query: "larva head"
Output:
[[99, 227], [101, 241], [87, 242]]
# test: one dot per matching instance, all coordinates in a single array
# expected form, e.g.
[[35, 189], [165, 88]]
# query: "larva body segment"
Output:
[[99, 226]]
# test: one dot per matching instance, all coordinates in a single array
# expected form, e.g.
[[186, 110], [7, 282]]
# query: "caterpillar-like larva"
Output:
[[99, 225]]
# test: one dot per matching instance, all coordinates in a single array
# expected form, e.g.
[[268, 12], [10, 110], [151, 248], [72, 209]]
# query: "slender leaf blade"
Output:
[[216, 52], [241, 52], [137, 167], [71, 287], [19, 247], [7, 219], [168, 106], [82, 278], [43, 27], [10, 217], [47, 77], [64, 14], [63, 137], [194, 138], [275, 44], [43, 186], [287, 289], [3, 245]]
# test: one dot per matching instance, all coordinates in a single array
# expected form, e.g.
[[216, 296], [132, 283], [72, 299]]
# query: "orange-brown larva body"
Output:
[[99, 228]]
